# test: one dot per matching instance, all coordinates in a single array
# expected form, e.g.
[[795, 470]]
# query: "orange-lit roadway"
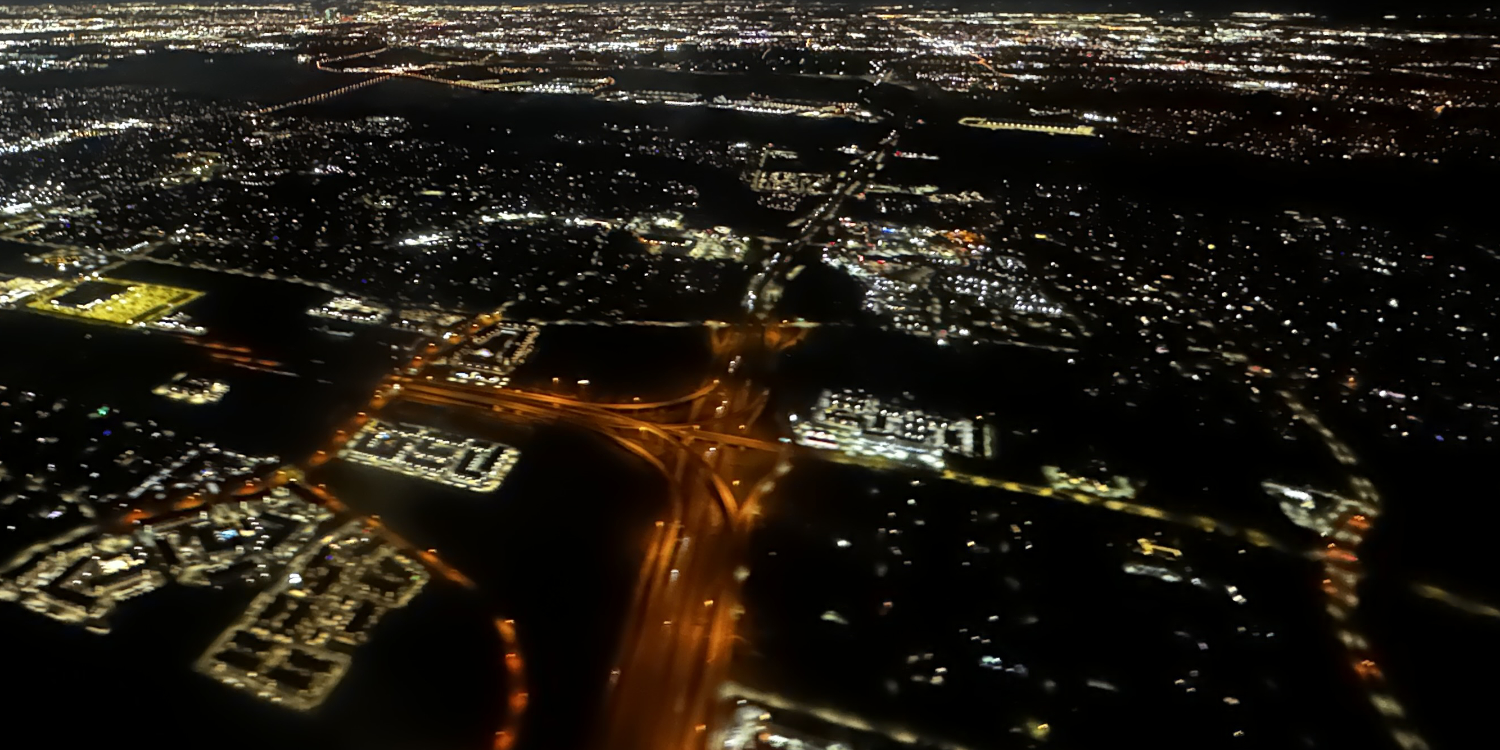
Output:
[[675, 650]]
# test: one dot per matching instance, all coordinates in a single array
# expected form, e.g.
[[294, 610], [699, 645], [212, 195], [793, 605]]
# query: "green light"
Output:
[[103, 410]]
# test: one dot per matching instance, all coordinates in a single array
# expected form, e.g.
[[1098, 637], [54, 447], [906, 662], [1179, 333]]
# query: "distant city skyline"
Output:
[[1376, 8]]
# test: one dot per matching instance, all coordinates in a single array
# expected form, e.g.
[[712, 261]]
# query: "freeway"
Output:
[[649, 436], [641, 406], [322, 63], [679, 636], [325, 96], [676, 646], [1202, 523], [765, 289], [677, 643], [1462, 603], [1343, 572]]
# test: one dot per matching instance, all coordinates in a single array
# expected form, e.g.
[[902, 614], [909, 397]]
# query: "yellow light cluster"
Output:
[[138, 304]]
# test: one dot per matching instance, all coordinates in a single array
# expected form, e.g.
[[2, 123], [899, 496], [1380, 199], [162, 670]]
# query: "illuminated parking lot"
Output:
[[113, 301]]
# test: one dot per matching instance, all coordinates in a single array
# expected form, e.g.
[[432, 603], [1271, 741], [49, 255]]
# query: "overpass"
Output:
[[676, 648]]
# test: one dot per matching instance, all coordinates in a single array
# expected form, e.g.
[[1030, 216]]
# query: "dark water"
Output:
[[269, 77]]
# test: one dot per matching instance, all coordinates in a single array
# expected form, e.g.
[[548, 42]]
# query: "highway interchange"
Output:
[[719, 461]]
